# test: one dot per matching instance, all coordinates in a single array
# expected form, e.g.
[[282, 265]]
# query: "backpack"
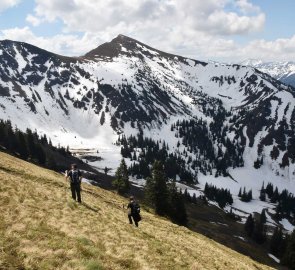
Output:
[[136, 208], [137, 215], [75, 176]]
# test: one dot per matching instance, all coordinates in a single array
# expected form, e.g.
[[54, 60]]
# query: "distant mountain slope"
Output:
[[125, 86], [283, 71], [42, 228]]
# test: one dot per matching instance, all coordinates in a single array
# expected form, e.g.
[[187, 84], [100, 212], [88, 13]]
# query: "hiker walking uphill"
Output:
[[75, 176], [133, 212]]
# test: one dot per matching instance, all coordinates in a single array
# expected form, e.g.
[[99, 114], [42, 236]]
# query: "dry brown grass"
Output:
[[42, 228]]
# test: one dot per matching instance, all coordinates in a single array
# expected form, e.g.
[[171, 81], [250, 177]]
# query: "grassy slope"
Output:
[[42, 228]]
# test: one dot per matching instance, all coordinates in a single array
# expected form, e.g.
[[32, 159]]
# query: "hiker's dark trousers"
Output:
[[76, 191], [130, 216]]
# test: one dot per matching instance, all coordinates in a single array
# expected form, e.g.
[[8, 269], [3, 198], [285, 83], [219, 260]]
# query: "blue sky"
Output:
[[224, 30], [16, 17], [279, 18]]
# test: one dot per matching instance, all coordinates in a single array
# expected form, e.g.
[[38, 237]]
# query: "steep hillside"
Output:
[[41, 228]]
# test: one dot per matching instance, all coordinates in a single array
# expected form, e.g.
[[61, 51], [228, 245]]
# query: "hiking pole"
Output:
[[66, 175], [81, 188], [123, 208]]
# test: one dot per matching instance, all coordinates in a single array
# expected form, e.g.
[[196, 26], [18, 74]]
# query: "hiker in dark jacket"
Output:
[[75, 176], [133, 211]]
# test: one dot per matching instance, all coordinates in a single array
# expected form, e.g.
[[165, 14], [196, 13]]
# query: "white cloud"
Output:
[[220, 22], [35, 21], [198, 15], [279, 49], [199, 29], [246, 7], [5, 4], [60, 44], [172, 25]]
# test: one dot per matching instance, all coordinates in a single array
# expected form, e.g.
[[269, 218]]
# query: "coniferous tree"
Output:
[[121, 182], [275, 196], [221, 196], [177, 210], [40, 154], [31, 144], [246, 196], [263, 216], [2, 132], [51, 163], [262, 196], [259, 234], [249, 225], [289, 256], [23, 149], [156, 192], [276, 241], [187, 195], [249, 195], [194, 198], [269, 190]]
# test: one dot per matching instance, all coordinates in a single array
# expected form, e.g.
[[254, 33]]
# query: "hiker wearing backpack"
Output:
[[133, 212], [75, 176]]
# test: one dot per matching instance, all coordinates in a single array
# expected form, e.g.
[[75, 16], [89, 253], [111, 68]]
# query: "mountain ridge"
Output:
[[281, 70]]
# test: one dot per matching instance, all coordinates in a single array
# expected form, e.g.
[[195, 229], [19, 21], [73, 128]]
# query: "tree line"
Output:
[[245, 196], [280, 245], [29, 145], [201, 141], [144, 151], [222, 196], [285, 201], [201, 147]]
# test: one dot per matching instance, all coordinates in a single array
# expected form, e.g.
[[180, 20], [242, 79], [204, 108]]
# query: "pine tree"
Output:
[[249, 225], [121, 182], [177, 210], [31, 144], [262, 196], [23, 149], [240, 193], [156, 192], [275, 197], [40, 154], [246, 196], [51, 163], [289, 256], [276, 242], [259, 234], [194, 198], [249, 195], [263, 216]]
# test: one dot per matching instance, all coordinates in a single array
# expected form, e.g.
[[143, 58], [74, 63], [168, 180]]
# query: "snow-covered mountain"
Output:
[[126, 87], [283, 71]]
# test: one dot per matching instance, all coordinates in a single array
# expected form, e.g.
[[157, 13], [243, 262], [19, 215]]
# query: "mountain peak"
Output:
[[124, 45], [121, 37], [114, 47]]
